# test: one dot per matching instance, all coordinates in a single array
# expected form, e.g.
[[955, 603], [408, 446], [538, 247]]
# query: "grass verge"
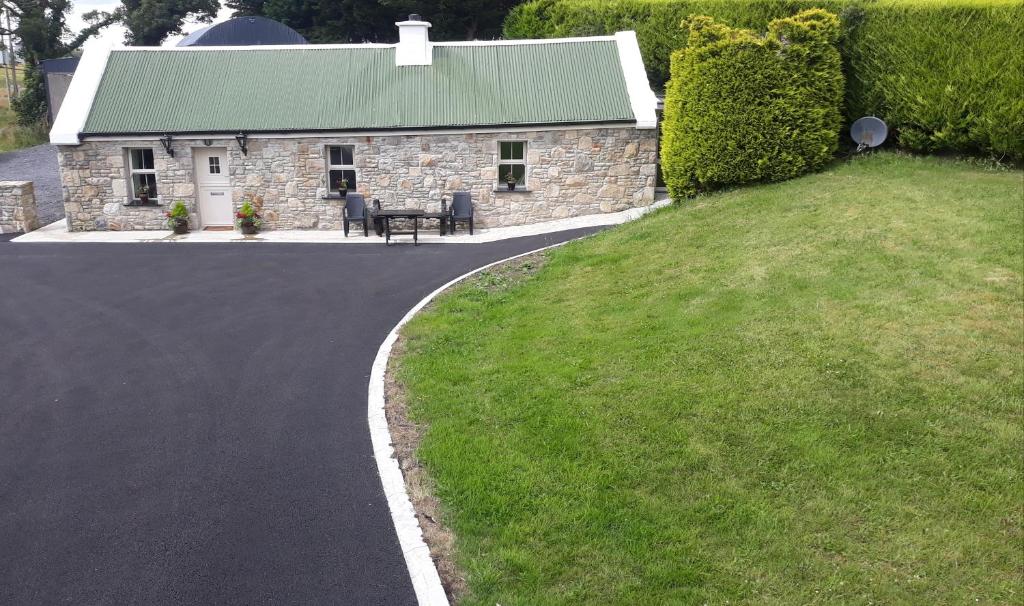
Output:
[[806, 392]]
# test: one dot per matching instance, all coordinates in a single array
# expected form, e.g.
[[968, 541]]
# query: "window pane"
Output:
[[337, 175], [142, 159], [214, 165], [140, 180], [335, 154], [518, 171], [346, 155], [511, 150], [137, 183], [350, 175]]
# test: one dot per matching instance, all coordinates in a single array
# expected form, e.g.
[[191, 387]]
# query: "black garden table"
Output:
[[413, 214]]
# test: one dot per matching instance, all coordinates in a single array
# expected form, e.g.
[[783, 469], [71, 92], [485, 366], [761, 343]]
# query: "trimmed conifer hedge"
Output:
[[742, 107], [946, 75]]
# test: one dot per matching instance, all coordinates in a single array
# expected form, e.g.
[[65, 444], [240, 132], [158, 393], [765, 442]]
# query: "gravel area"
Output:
[[39, 165]]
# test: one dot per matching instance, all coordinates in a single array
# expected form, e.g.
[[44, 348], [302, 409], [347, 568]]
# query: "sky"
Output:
[[114, 34]]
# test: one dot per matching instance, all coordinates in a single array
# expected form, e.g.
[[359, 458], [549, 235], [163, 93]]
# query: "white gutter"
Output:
[[641, 97], [74, 110], [341, 134]]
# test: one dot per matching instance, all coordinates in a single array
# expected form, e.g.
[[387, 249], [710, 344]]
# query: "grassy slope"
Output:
[[797, 393]]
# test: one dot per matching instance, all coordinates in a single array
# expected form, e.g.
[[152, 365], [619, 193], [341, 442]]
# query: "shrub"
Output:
[[742, 107], [177, 214], [945, 74]]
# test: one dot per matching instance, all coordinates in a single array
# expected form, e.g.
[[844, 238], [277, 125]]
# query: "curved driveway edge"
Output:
[[187, 425], [425, 579]]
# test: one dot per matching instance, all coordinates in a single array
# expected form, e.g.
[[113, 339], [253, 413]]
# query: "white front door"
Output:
[[213, 186]]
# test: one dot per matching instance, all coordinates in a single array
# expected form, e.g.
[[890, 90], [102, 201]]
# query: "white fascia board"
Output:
[[301, 47], [411, 132], [641, 98], [74, 110]]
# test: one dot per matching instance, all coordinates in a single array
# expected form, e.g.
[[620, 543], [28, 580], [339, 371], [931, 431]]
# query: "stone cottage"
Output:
[[571, 120]]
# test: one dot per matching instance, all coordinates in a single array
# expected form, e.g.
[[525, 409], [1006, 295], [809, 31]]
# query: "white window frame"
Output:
[[521, 162], [213, 162], [342, 167], [132, 171]]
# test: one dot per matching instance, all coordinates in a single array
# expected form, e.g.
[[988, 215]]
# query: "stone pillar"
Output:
[[17, 207]]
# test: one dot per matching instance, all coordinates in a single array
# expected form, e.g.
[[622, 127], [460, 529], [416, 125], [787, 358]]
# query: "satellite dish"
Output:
[[869, 131]]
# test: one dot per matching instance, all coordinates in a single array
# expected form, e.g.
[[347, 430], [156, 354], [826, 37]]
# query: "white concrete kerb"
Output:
[[58, 232], [425, 579]]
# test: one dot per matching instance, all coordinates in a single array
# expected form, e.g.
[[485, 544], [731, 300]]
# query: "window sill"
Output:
[[149, 204], [517, 190]]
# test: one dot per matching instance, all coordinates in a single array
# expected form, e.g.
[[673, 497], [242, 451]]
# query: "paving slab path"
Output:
[[187, 424], [37, 164]]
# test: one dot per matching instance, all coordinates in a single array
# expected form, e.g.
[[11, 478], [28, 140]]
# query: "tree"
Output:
[[374, 20], [458, 19], [41, 28], [149, 22]]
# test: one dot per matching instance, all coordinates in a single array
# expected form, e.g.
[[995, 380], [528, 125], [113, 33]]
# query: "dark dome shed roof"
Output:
[[244, 31]]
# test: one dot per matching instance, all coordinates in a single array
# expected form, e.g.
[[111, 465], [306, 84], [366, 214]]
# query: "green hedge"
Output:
[[947, 75], [741, 107]]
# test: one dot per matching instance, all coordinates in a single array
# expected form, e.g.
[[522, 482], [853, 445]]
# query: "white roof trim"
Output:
[[641, 97], [74, 110], [301, 47], [343, 134]]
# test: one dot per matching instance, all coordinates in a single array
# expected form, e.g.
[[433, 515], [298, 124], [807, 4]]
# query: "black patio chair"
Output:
[[355, 211], [462, 210], [378, 223]]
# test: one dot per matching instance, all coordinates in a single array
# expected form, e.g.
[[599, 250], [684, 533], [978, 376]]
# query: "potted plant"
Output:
[[342, 186], [248, 219], [177, 219], [510, 181], [143, 193]]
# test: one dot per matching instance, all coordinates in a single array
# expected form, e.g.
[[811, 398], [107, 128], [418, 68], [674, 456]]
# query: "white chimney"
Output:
[[413, 42]]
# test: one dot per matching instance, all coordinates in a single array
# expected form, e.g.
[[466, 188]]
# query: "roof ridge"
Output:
[[362, 45]]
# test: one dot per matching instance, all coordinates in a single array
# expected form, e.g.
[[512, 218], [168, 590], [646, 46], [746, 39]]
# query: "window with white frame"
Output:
[[340, 165], [142, 173], [512, 161]]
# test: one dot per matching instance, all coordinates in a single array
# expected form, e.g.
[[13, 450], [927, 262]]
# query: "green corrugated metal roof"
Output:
[[352, 88]]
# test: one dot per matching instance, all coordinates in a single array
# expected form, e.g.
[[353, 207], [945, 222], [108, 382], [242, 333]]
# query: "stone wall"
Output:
[[17, 207], [570, 172]]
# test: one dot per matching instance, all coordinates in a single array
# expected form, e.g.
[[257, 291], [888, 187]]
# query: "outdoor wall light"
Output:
[[242, 139], [166, 141]]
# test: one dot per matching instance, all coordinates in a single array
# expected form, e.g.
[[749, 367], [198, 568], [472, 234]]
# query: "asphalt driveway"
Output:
[[186, 424]]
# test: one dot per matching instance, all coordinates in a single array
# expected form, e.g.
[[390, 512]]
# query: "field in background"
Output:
[[13, 136]]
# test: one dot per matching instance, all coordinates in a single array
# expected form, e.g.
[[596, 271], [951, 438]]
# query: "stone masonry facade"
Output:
[[17, 207], [570, 172]]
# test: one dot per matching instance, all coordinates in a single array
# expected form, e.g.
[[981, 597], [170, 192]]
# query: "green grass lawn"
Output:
[[800, 393]]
